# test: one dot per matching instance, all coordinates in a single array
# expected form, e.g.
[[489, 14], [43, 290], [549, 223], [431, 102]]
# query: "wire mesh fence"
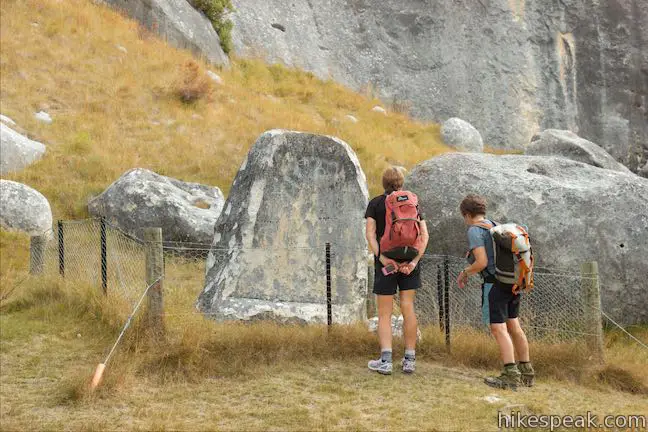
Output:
[[97, 253]]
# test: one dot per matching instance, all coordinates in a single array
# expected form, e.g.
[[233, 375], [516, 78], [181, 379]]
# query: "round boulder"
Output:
[[294, 193], [564, 143], [461, 135], [140, 198], [575, 212], [17, 151], [24, 209]]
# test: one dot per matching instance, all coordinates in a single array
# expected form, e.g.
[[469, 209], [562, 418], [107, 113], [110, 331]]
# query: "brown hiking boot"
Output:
[[528, 374], [509, 379]]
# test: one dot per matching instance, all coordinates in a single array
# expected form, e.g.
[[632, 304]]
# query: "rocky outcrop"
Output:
[[17, 151], [294, 193], [461, 135], [179, 23], [24, 209], [186, 212], [511, 67], [575, 213], [564, 143]]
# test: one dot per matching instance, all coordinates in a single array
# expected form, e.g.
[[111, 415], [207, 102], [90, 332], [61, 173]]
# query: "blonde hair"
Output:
[[393, 179]]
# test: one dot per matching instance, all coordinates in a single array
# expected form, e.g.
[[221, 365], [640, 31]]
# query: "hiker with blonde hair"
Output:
[[397, 236]]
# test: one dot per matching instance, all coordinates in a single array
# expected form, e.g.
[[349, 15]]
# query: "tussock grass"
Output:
[[116, 110]]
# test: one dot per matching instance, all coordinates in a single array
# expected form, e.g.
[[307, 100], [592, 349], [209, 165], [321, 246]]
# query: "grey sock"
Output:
[[410, 354], [386, 355]]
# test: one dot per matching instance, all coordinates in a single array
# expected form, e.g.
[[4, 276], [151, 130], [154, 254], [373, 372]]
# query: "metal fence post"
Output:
[[590, 289], [446, 301], [440, 299], [37, 254], [154, 275], [104, 257], [61, 248], [329, 314]]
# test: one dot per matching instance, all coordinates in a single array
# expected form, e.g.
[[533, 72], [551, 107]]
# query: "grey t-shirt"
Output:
[[478, 237]]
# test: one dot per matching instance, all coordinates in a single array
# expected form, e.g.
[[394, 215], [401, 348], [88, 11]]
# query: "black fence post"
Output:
[[446, 301], [61, 248], [440, 299], [104, 257], [329, 315]]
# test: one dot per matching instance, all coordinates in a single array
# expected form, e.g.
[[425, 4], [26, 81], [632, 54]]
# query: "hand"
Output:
[[462, 279], [387, 261], [408, 268]]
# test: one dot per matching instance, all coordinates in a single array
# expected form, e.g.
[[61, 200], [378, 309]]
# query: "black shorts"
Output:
[[387, 285], [502, 303]]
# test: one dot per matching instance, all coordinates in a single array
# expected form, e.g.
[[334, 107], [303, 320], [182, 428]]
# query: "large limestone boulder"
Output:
[[140, 198], [179, 23], [24, 209], [575, 213], [294, 193], [512, 67], [643, 172], [17, 151], [461, 135], [564, 143]]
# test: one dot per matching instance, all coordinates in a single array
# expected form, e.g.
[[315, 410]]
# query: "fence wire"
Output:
[[95, 252]]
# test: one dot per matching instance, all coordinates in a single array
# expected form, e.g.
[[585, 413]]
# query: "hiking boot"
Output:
[[509, 379], [382, 367], [528, 374], [409, 365]]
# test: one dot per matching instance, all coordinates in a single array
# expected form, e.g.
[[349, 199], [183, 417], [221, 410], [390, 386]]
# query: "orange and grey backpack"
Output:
[[402, 239], [513, 254]]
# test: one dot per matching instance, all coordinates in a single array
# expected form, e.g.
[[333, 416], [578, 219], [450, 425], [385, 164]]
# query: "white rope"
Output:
[[623, 330], [128, 321]]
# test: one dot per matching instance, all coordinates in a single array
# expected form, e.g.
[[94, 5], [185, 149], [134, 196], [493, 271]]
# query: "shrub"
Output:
[[215, 11], [193, 84]]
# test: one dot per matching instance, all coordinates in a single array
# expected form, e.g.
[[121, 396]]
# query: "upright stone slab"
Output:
[[294, 193]]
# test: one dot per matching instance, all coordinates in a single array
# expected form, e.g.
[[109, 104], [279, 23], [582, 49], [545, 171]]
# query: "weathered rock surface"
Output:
[[563, 143], [511, 67], [294, 193], [17, 151], [575, 213], [24, 209], [643, 172], [186, 212], [179, 23], [461, 135]]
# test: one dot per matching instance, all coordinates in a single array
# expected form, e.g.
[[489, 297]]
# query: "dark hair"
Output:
[[473, 205], [392, 179]]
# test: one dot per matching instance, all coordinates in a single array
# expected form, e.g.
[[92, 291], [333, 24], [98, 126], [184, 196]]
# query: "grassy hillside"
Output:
[[115, 93]]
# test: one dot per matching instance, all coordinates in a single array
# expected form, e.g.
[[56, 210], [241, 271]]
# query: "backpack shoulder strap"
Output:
[[485, 225]]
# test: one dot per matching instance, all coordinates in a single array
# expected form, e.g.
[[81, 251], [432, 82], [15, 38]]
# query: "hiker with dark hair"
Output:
[[500, 301], [397, 236]]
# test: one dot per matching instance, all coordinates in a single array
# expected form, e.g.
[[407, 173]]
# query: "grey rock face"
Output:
[[575, 213], [510, 67], [24, 209], [643, 172], [186, 212], [294, 193], [179, 23], [461, 135], [554, 142], [17, 151]]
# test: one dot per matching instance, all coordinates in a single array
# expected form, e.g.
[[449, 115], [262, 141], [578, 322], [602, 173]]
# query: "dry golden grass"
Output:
[[115, 110]]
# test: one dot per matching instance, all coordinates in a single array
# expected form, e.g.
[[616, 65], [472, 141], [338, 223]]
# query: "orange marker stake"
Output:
[[96, 379]]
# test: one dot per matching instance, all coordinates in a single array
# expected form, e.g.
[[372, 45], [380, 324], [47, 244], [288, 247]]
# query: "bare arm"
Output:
[[409, 267], [370, 233], [481, 261]]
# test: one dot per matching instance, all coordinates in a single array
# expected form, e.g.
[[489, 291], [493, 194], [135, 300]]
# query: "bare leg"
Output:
[[504, 341], [385, 307], [409, 318], [519, 339]]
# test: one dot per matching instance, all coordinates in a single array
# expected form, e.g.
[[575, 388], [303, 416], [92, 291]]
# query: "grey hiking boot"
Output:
[[409, 365], [509, 379], [382, 367], [528, 374]]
